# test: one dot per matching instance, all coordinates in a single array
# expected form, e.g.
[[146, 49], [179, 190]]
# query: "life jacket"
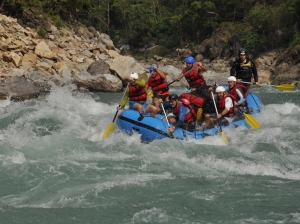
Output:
[[195, 101], [158, 85], [193, 78], [137, 93], [244, 70], [236, 96], [190, 116], [221, 105]]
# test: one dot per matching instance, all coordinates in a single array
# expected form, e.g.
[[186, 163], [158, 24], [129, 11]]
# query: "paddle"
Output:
[[182, 75], [110, 128], [162, 106], [222, 133], [150, 93], [253, 123], [283, 87]]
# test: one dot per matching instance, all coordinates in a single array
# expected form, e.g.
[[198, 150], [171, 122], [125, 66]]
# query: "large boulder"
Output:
[[98, 67], [18, 89], [98, 82], [123, 66]]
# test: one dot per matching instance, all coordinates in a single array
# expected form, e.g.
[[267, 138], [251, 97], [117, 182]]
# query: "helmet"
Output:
[[151, 69], [220, 89], [231, 78], [173, 97], [190, 60], [134, 75], [242, 51]]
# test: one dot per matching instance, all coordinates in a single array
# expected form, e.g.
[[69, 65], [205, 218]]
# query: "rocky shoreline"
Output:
[[82, 59]]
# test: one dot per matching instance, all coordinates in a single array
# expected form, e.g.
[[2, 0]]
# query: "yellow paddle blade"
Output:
[[150, 94], [286, 87], [110, 128], [253, 123], [224, 137]]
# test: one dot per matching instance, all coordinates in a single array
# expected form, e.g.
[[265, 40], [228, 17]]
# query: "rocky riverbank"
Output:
[[83, 59]]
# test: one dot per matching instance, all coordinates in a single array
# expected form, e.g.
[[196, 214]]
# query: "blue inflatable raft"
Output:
[[151, 128]]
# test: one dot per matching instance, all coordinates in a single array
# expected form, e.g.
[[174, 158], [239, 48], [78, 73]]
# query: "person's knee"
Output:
[[206, 116], [138, 107]]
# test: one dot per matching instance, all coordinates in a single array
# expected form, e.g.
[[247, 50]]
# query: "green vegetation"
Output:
[[261, 24], [42, 33]]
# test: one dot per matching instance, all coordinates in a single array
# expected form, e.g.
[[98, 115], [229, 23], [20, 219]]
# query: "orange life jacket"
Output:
[[221, 105], [196, 101], [137, 93], [193, 78], [235, 95], [158, 85], [189, 117]]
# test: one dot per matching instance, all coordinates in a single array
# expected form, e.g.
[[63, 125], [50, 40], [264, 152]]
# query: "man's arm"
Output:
[[233, 69], [201, 67], [140, 83], [240, 94], [254, 71], [228, 103]]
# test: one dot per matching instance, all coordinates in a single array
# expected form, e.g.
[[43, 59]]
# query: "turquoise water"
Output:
[[56, 168]]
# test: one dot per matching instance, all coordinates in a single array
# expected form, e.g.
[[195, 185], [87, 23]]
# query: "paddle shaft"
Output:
[[213, 98], [250, 83], [120, 104], [182, 75], [162, 106]]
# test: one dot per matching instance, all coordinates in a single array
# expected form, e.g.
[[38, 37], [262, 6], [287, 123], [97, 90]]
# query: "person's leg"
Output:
[[156, 103], [138, 107], [152, 110]]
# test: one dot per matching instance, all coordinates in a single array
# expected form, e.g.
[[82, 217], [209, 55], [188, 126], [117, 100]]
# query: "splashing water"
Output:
[[56, 168]]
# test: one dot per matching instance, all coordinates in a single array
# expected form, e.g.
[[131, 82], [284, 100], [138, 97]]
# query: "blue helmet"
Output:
[[151, 69], [190, 60]]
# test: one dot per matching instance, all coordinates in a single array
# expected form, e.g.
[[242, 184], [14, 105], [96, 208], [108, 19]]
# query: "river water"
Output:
[[56, 168]]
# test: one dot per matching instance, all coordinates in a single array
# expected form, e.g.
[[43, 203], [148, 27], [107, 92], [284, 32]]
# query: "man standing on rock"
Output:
[[244, 68], [193, 73]]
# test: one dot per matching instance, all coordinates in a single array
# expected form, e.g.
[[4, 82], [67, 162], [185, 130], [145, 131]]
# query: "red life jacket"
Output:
[[193, 78], [235, 95], [137, 93], [189, 117], [196, 101], [158, 85], [221, 106]]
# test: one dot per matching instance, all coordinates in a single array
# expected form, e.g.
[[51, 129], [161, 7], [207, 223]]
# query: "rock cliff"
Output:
[[82, 59]]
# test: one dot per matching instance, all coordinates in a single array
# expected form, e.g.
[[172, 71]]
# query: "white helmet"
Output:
[[134, 75], [220, 89], [231, 78]]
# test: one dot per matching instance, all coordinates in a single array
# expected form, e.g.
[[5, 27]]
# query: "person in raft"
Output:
[[137, 95], [225, 108], [193, 73], [183, 113]]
